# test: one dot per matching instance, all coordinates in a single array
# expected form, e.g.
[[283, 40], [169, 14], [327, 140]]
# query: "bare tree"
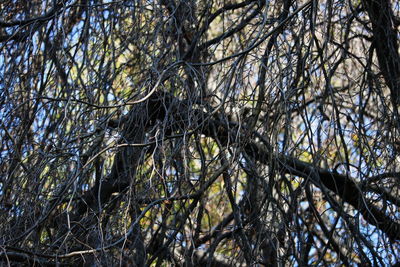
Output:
[[216, 133]]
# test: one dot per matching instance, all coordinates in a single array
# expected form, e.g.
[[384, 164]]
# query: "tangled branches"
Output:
[[217, 133]]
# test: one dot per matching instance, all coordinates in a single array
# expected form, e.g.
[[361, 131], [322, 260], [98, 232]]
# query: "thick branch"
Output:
[[385, 42]]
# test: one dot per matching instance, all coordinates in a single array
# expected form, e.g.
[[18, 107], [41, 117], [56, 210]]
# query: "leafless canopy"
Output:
[[189, 133]]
